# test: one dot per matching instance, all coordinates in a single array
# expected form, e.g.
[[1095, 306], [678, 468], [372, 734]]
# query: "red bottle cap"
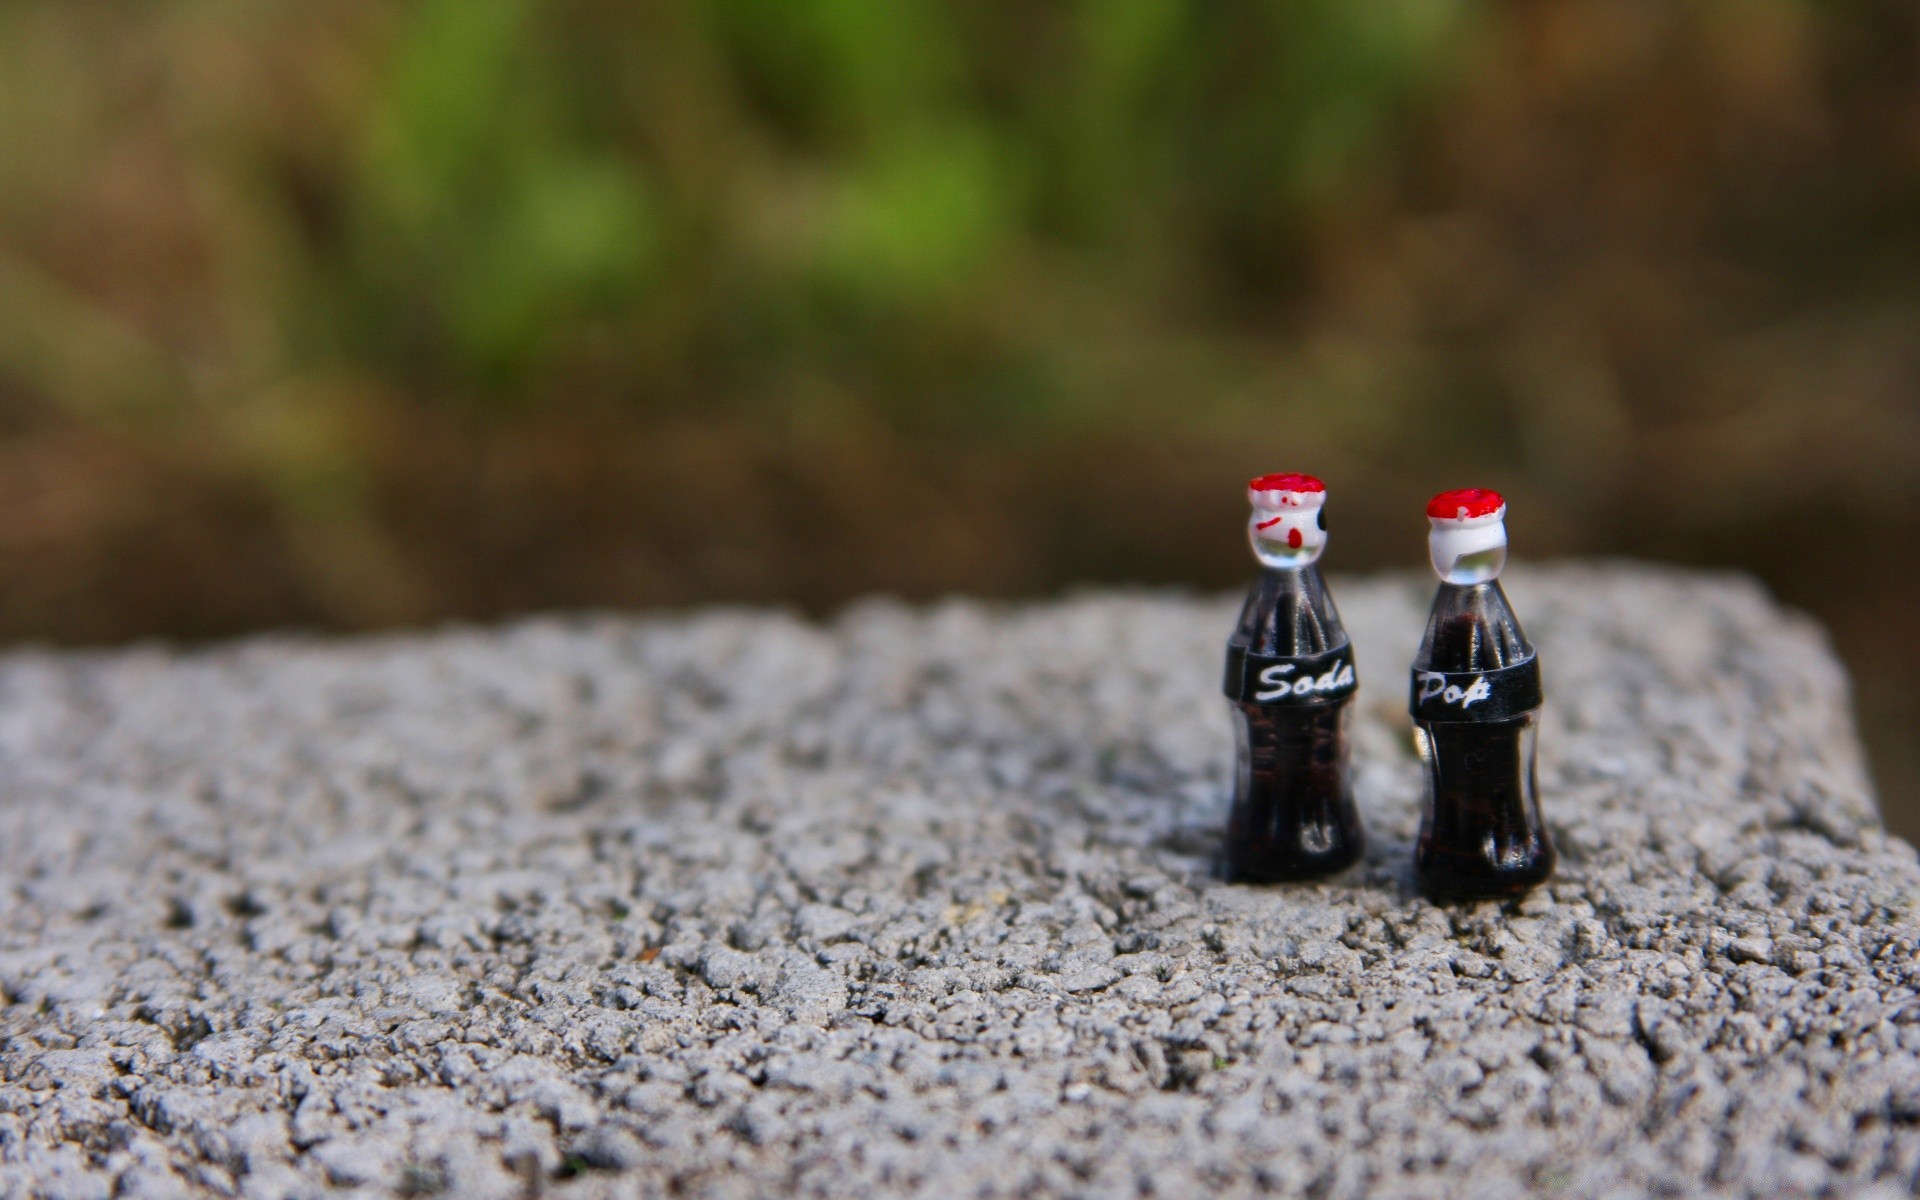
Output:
[[1286, 482], [1463, 504]]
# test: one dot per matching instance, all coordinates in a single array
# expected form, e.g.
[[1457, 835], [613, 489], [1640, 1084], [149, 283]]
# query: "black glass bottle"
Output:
[[1475, 701], [1290, 681]]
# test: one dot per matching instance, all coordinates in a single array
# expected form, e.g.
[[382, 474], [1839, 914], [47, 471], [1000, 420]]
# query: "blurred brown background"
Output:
[[358, 313]]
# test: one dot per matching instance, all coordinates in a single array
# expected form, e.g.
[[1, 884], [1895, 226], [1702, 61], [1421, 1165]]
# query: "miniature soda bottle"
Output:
[[1476, 701], [1290, 680]]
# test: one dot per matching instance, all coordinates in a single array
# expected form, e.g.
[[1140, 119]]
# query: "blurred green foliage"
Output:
[[265, 242], [356, 312], [784, 182]]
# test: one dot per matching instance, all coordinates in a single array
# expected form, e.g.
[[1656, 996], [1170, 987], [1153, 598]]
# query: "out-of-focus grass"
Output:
[[355, 313]]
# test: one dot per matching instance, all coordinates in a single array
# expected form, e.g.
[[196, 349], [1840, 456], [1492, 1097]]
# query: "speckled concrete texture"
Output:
[[918, 903]]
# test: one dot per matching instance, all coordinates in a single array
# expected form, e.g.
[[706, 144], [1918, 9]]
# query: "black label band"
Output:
[[1476, 695], [1314, 679]]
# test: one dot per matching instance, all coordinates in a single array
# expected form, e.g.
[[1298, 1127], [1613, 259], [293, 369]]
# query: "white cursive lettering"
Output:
[[1271, 678], [1433, 683], [1333, 680]]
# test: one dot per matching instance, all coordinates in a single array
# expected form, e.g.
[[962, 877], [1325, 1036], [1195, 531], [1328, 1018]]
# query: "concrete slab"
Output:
[[918, 903]]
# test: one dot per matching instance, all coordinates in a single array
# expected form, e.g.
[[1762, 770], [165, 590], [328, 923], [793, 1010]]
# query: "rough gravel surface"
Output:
[[918, 902]]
